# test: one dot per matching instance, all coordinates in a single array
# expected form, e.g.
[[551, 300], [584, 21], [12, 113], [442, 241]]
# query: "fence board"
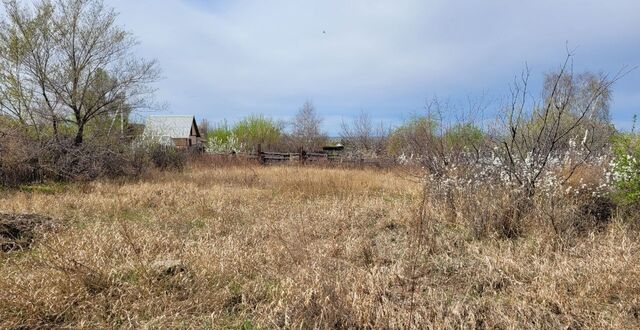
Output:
[[267, 157]]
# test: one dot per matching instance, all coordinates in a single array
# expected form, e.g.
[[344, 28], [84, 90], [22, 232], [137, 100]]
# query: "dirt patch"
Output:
[[17, 231]]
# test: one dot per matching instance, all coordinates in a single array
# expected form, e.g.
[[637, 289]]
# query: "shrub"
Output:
[[222, 133], [222, 140], [64, 161], [18, 158], [257, 130], [167, 158], [569, 124], [25, 159], [464, 137], [625, 168], [413, 137]]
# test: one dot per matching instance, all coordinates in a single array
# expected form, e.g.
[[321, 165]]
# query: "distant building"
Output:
[[179, 131], [334, 148]]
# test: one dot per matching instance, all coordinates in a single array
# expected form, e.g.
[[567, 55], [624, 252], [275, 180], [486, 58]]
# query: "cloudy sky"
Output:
[[227, 59]]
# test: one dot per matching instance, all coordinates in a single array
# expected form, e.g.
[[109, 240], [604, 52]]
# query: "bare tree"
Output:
[[306, 128], [67, 62], [204, 127], [363, 136]]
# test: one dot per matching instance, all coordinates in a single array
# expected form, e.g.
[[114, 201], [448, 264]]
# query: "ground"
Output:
[[297, 247]]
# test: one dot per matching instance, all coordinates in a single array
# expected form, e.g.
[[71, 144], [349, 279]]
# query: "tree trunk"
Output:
[[54, 122], [79, 135]]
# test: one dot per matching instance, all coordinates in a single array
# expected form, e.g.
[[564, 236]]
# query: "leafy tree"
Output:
[[67, 63], [222, 139], [464, 136], [257, 130], [221, 132], [413, 136]]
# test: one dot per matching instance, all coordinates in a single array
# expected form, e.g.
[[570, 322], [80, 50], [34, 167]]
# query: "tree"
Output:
[[204, 126], [363, 136], [68, 62], [257, 130], [220, 138], [306, 128], [436, 144], [414, 137], [17, 98], [464, 137], [573, 112]]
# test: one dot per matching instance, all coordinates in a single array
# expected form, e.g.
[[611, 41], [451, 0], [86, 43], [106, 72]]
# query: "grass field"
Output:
[[293, 247]]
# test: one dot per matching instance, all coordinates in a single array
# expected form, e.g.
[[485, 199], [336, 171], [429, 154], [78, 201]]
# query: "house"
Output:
[[179, 131]]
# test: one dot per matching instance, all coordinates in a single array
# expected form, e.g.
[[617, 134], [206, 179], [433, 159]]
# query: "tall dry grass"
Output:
[[296, 247]]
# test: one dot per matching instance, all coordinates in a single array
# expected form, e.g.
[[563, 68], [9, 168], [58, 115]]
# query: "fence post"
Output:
[[302, 155], [261, 154]]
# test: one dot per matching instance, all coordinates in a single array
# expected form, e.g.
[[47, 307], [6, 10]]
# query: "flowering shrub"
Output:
[[625, 168], [495, 196], [223, 144]]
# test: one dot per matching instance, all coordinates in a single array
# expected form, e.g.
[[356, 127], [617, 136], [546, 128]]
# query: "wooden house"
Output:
[[179, 131]]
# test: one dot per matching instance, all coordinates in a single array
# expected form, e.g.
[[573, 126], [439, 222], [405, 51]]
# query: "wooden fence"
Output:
[[302, 157]]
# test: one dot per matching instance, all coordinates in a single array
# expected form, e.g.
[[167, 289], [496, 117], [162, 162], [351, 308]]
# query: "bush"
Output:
[[64, 161], [257, 130], [625, 169], [221, 133], [24, 159], [413, 137], [167, 158], [18, 158], [464, 137], [222, 140]]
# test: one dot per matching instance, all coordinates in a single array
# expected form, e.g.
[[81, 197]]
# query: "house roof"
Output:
[[171, 126]]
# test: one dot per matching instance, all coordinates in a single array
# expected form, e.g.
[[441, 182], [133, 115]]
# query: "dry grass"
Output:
[[292, 247]]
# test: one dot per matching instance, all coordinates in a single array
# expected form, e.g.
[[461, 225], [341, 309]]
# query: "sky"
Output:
[[223, 60]]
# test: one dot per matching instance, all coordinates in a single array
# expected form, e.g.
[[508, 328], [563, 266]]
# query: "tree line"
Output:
[[360, 135]]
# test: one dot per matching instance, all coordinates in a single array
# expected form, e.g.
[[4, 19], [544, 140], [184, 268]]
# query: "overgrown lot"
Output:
[[294, 247]]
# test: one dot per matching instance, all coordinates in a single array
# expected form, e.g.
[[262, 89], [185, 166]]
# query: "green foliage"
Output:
[[257, 129], [597, 130], [86, 81], [222, 139], [464, 136], [245, 135], [419, 124], [221, 133], [247, 325], [625, 172], [420, 133], [8, 122], [49, 188], [416, 130], [103, 127]]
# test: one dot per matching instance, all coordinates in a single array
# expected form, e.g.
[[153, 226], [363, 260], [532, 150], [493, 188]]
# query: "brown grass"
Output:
[[295, 247]]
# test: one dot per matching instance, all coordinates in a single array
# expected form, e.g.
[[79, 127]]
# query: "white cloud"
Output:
[[231, 58]]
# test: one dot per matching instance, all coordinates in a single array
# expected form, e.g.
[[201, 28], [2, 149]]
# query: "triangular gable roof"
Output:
[[175, 127]]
